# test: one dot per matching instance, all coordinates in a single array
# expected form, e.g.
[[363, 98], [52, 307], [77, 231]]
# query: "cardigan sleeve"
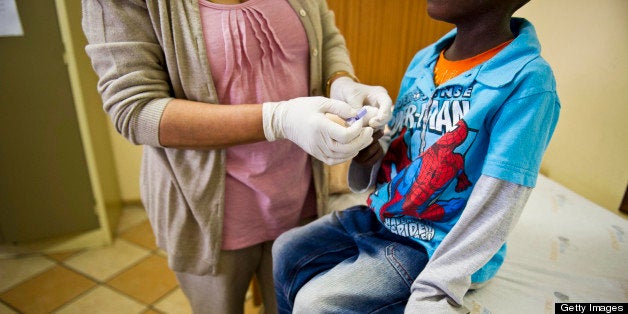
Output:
[[335, 53], [129, 61]]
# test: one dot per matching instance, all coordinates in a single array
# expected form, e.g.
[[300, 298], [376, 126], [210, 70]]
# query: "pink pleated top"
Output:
[[258, 52]]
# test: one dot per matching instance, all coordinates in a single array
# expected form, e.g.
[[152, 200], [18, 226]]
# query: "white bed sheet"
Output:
[[564, 248]]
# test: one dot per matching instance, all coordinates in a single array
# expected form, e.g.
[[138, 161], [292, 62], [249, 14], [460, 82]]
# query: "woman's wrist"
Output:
[[336, 75]]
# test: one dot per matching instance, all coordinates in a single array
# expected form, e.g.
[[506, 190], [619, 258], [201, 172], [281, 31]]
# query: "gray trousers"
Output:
[[225, 292]]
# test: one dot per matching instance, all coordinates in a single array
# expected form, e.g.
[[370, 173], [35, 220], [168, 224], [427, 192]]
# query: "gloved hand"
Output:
[[303, 121], [358, 95]]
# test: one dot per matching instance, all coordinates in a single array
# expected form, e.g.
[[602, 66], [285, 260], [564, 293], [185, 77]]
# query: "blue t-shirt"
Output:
[[495, 119]]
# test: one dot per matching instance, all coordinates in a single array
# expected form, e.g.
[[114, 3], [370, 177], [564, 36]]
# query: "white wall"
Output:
[[128, 159], [586, 42]]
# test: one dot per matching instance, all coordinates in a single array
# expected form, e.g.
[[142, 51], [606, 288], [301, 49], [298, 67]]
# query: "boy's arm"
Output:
[[491, 212], [361, 177]]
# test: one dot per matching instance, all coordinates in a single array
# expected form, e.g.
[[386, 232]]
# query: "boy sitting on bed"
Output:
[[474, 115]]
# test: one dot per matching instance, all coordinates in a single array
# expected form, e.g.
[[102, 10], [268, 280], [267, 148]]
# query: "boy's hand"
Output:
[[372, 153]]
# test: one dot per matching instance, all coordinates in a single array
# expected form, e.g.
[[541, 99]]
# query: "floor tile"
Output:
[[130, 217], [249, 302], [104, 263], [47, 291], [142, 235], [102, 300], [6, 310], [62, 256], [175, 303], [251, 308], [16, 270], [147, 281]]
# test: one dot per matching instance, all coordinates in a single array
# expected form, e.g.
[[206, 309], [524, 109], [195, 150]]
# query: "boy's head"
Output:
[[464, 11], [520, 4]]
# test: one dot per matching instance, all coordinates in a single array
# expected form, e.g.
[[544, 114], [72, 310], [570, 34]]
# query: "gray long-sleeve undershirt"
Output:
[[489, 216]]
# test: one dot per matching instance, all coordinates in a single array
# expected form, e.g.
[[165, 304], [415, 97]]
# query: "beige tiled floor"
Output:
[[129, 276]]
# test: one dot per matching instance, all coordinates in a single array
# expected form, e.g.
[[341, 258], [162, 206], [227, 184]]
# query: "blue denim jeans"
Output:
[[345, 262]]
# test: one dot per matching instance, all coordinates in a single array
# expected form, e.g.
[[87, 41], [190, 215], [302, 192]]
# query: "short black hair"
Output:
[[519, 5]]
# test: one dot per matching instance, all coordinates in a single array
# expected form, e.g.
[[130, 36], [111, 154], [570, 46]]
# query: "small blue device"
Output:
[[357, 117]]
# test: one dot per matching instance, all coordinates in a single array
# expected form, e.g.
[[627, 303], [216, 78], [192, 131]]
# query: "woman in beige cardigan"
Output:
[[221, 181]]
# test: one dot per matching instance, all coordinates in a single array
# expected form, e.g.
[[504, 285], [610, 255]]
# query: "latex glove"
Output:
[[358, 95], [303, 121]]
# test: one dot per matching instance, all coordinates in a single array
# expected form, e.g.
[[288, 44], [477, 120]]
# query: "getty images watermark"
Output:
[[590, 308]]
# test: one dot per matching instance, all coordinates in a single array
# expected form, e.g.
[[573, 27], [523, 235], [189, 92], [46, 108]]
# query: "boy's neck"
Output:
[[474, 38]]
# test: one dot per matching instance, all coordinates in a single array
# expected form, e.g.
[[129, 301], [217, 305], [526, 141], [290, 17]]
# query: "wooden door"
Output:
[[45, 190], [384, 35]]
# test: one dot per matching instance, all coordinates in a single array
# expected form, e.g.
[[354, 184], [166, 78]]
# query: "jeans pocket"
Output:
[[407, 261]]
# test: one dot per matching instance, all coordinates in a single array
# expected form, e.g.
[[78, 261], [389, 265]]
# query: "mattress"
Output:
[[564, 249]]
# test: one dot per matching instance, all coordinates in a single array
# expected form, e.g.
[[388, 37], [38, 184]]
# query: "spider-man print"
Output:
[[415, 191], [400, 159]]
